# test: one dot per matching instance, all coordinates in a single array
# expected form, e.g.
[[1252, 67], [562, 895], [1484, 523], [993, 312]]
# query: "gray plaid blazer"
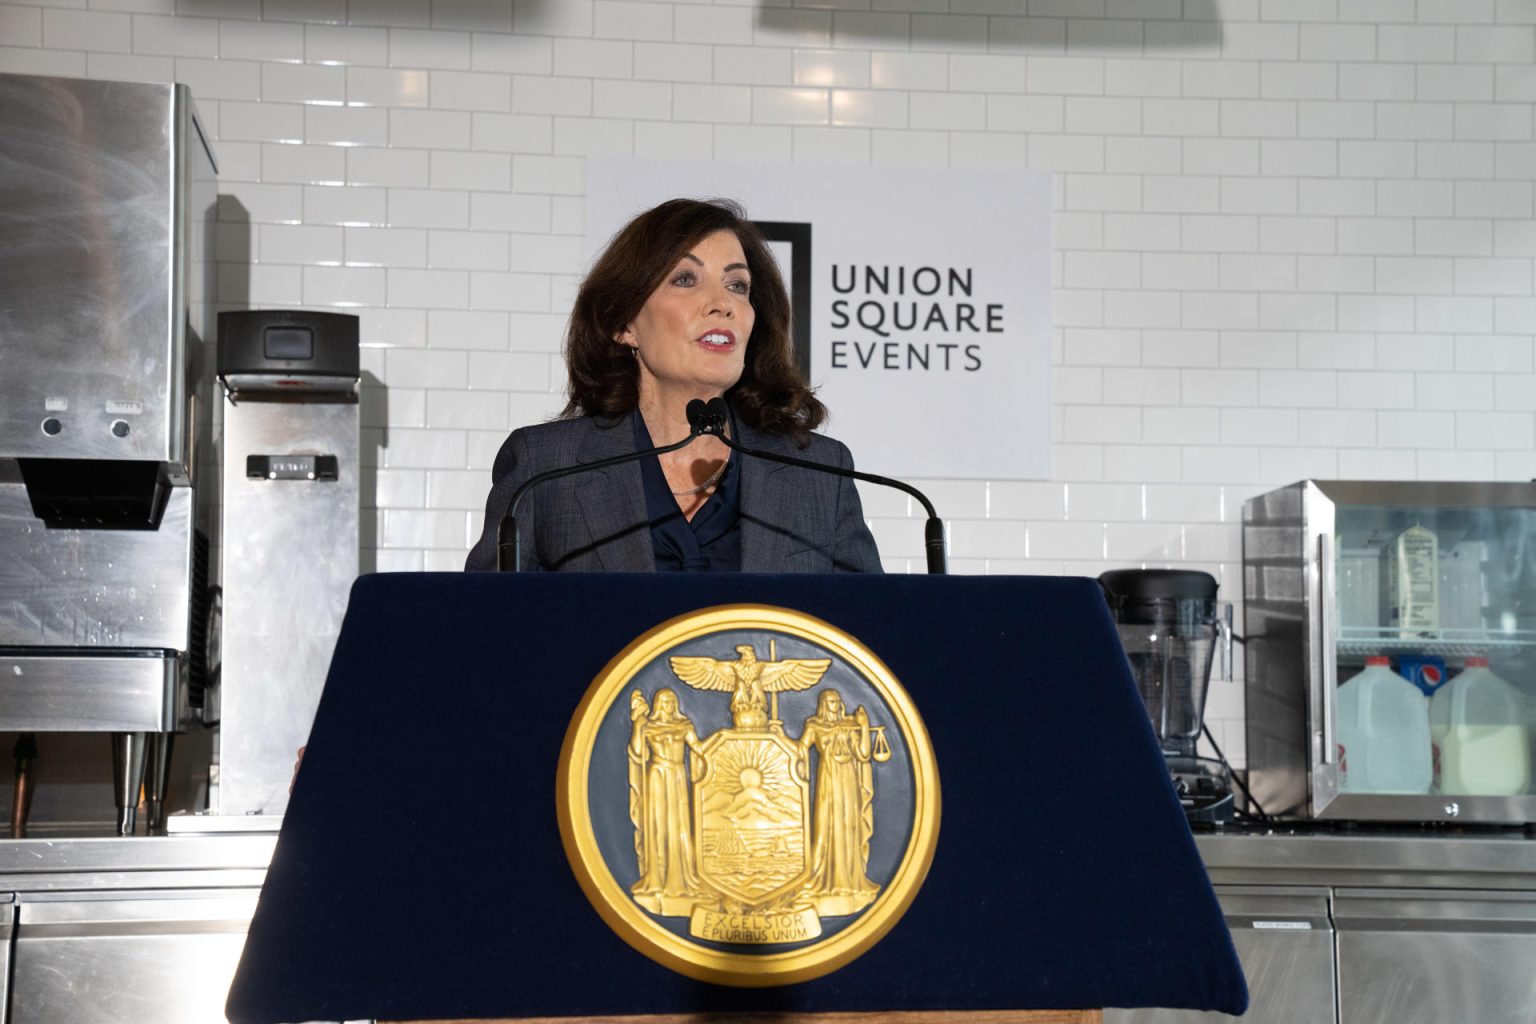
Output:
[[792, 519]]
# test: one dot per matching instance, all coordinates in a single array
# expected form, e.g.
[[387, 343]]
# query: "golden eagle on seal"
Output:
[[748, 680]]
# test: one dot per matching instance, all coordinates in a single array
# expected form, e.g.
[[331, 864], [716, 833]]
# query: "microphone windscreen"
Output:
[[696, 412]]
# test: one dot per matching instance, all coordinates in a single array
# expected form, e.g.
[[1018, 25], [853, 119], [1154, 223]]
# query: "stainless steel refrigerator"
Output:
[[1431, 583]]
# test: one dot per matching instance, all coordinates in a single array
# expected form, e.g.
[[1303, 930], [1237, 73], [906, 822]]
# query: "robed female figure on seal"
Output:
[[659, 803], [844, 807]]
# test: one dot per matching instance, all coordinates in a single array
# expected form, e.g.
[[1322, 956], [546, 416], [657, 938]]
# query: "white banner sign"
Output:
[[928, 314]]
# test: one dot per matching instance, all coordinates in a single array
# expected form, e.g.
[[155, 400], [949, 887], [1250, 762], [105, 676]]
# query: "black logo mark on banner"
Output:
[[798, 237]]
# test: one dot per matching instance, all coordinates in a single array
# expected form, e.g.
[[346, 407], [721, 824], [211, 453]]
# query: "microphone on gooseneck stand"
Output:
[[508, 539], [710, 417]]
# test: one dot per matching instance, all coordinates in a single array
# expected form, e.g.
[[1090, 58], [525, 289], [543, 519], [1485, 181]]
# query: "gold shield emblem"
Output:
[[751, 812], [748, 796]]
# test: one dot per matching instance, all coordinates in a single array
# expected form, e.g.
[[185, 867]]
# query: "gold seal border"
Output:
[[614, 904]]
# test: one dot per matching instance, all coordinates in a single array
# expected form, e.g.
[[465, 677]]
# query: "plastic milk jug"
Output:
[[1384, 744], [1477, 722]]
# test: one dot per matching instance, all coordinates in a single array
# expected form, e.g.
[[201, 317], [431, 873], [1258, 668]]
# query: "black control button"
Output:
[[52, 427], [120, 428]]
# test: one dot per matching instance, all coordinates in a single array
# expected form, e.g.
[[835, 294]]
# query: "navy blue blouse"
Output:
[[711, 540]]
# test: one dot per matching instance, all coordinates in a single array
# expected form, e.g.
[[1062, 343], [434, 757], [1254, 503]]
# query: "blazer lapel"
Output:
[[612, 500], [763, 506]]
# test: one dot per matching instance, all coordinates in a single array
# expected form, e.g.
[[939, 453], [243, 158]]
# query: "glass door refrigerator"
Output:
[[1391, 651]]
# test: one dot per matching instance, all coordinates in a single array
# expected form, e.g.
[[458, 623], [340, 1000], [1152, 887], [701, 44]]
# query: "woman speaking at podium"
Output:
[[685, 303]]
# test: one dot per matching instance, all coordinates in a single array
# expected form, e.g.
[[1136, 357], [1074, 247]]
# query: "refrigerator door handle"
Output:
[[1327, 645]]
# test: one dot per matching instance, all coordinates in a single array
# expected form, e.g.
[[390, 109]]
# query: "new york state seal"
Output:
[[748, 796]]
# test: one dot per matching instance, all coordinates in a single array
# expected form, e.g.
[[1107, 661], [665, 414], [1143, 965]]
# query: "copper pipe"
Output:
[[25, 753]]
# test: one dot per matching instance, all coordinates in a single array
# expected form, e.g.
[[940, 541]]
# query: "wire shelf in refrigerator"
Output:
[[1355, 641]]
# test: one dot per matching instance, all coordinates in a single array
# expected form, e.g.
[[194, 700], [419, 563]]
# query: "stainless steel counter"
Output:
[[102, 931], [1473, 861], [146, 862], [1503, 860], [1368, 926], [1334, 928]]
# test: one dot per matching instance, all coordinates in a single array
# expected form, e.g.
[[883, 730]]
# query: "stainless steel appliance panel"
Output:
[[1284, 939], [93, 210], [74, 588], [89, 693], [126, 958], [7, 932], [1425, 957], [290, 557]]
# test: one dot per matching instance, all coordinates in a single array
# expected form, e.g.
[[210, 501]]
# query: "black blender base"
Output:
[[1205, 789], [1222, 809]]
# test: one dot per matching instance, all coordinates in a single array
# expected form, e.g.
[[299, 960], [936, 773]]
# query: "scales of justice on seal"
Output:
[[748, 796]]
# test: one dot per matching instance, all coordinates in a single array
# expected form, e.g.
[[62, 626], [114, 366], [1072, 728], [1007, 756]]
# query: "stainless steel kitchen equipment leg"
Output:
[[128, 753], [161, 745]]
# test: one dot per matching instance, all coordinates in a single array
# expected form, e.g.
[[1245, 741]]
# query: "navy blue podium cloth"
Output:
[[419, 872]]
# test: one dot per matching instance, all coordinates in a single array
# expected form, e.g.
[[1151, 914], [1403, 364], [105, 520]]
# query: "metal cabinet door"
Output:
[[286, 578], [1285, 942], [127, 958], [1431, 956]]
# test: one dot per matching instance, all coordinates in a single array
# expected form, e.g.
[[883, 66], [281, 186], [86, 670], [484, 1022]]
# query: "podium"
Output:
[[419, 874]]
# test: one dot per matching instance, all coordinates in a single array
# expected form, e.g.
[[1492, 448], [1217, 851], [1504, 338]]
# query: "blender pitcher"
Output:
[[1171, 626]]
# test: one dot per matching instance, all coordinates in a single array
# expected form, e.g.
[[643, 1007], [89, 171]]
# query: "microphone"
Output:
[[508, 538], [709, 418]]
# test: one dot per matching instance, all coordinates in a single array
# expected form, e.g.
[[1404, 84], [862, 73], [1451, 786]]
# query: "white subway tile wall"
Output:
[[1291, 238]]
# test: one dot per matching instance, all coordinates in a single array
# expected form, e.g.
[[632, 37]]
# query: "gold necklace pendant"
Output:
[[731, 844], [706, 485]]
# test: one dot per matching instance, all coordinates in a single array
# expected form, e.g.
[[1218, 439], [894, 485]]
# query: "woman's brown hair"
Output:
[[604, 375]]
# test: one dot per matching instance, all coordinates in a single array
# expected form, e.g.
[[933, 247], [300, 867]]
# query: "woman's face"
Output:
[[690, 337]]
